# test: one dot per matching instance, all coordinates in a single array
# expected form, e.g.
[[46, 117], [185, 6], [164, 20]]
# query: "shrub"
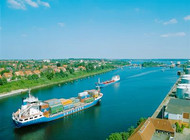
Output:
[[3, 81], [115, 136], [178, 128]]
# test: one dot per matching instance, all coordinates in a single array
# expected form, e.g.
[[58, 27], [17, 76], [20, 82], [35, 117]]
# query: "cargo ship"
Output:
[[33, 111], [113, 80]]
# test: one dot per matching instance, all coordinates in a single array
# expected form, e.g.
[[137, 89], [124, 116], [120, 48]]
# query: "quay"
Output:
[[166, 99]]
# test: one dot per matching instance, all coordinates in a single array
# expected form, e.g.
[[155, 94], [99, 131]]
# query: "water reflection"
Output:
[[116, 85]]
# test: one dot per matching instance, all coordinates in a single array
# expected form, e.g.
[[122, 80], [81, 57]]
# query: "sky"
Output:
[[116, 29]]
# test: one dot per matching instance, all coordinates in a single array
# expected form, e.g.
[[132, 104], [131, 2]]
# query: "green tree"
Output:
[[50, 75], [71, 70], [42, 74], [125, 135], [35, 77], [178, 128], [58, 65], [131, 130], [141, 120], [13, 78], [3, 81], [115, 136], [63, 74]]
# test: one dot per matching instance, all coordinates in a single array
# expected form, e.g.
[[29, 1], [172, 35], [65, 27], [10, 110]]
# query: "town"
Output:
[[17, 74]]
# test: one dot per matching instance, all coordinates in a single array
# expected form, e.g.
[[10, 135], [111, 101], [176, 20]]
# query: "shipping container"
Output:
[[74, 100], [53, 102], [69, 106], [92, 92], [77, 100], [44, 105], [77, 104], [46, 114], [82, 100], [83, 97], [83, 93], [95, 96], [88, 100], [66, 101], [56, 108]]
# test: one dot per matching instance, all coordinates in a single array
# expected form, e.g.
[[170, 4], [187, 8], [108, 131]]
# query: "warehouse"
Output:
[[178, 109]]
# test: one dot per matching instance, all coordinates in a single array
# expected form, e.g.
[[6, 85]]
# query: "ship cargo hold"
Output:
[[34, 111]]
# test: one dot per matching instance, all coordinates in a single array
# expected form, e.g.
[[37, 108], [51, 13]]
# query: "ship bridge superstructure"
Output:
[[29, 110]]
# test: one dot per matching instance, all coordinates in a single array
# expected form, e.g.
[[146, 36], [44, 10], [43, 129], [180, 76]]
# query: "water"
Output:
[[138, 94]]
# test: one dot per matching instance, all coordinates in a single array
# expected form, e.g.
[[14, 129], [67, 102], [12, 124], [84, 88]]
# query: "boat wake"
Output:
[[142, 74]]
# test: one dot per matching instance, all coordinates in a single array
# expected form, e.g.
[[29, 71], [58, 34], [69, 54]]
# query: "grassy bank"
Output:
[[42, 82]]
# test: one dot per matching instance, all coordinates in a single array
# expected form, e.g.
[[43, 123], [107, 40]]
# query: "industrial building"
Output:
[[185, 79], [183, 91], [178, 109]]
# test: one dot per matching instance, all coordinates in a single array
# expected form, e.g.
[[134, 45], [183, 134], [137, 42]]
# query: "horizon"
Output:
[[100, 59], [114, 29]]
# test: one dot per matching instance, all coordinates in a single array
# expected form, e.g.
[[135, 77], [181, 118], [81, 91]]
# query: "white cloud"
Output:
[[31, 3], [46, 4], [61, 24], [21, 4], [179, 34], [171, 21], [187, 17], [16, 4]]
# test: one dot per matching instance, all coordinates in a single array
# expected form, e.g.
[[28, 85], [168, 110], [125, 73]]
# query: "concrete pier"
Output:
[[166, 99]]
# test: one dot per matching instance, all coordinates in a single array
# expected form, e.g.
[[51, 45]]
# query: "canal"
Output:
[[138, 94]]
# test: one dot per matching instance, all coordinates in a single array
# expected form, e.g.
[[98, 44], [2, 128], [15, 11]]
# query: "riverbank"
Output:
[[51, 83], [166, 99]]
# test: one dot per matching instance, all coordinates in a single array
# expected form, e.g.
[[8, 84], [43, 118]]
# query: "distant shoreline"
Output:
[[20, 91]]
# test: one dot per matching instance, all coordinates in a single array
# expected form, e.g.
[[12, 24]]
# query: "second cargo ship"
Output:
[[34, 111], [113, 80]]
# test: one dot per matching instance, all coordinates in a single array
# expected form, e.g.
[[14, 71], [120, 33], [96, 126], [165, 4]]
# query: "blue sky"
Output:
[[37, 29]]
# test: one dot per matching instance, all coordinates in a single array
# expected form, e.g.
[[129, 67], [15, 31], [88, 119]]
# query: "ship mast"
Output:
[[99, 80], [29, 91]]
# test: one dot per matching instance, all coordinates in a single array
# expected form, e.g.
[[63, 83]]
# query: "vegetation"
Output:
[[152, 64], [141, 120], [51, 71], [179, 128], [125, 135], [46, 79], [3, 81], [185, 64]]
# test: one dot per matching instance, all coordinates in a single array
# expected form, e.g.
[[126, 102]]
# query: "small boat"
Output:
[[113, 80]]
